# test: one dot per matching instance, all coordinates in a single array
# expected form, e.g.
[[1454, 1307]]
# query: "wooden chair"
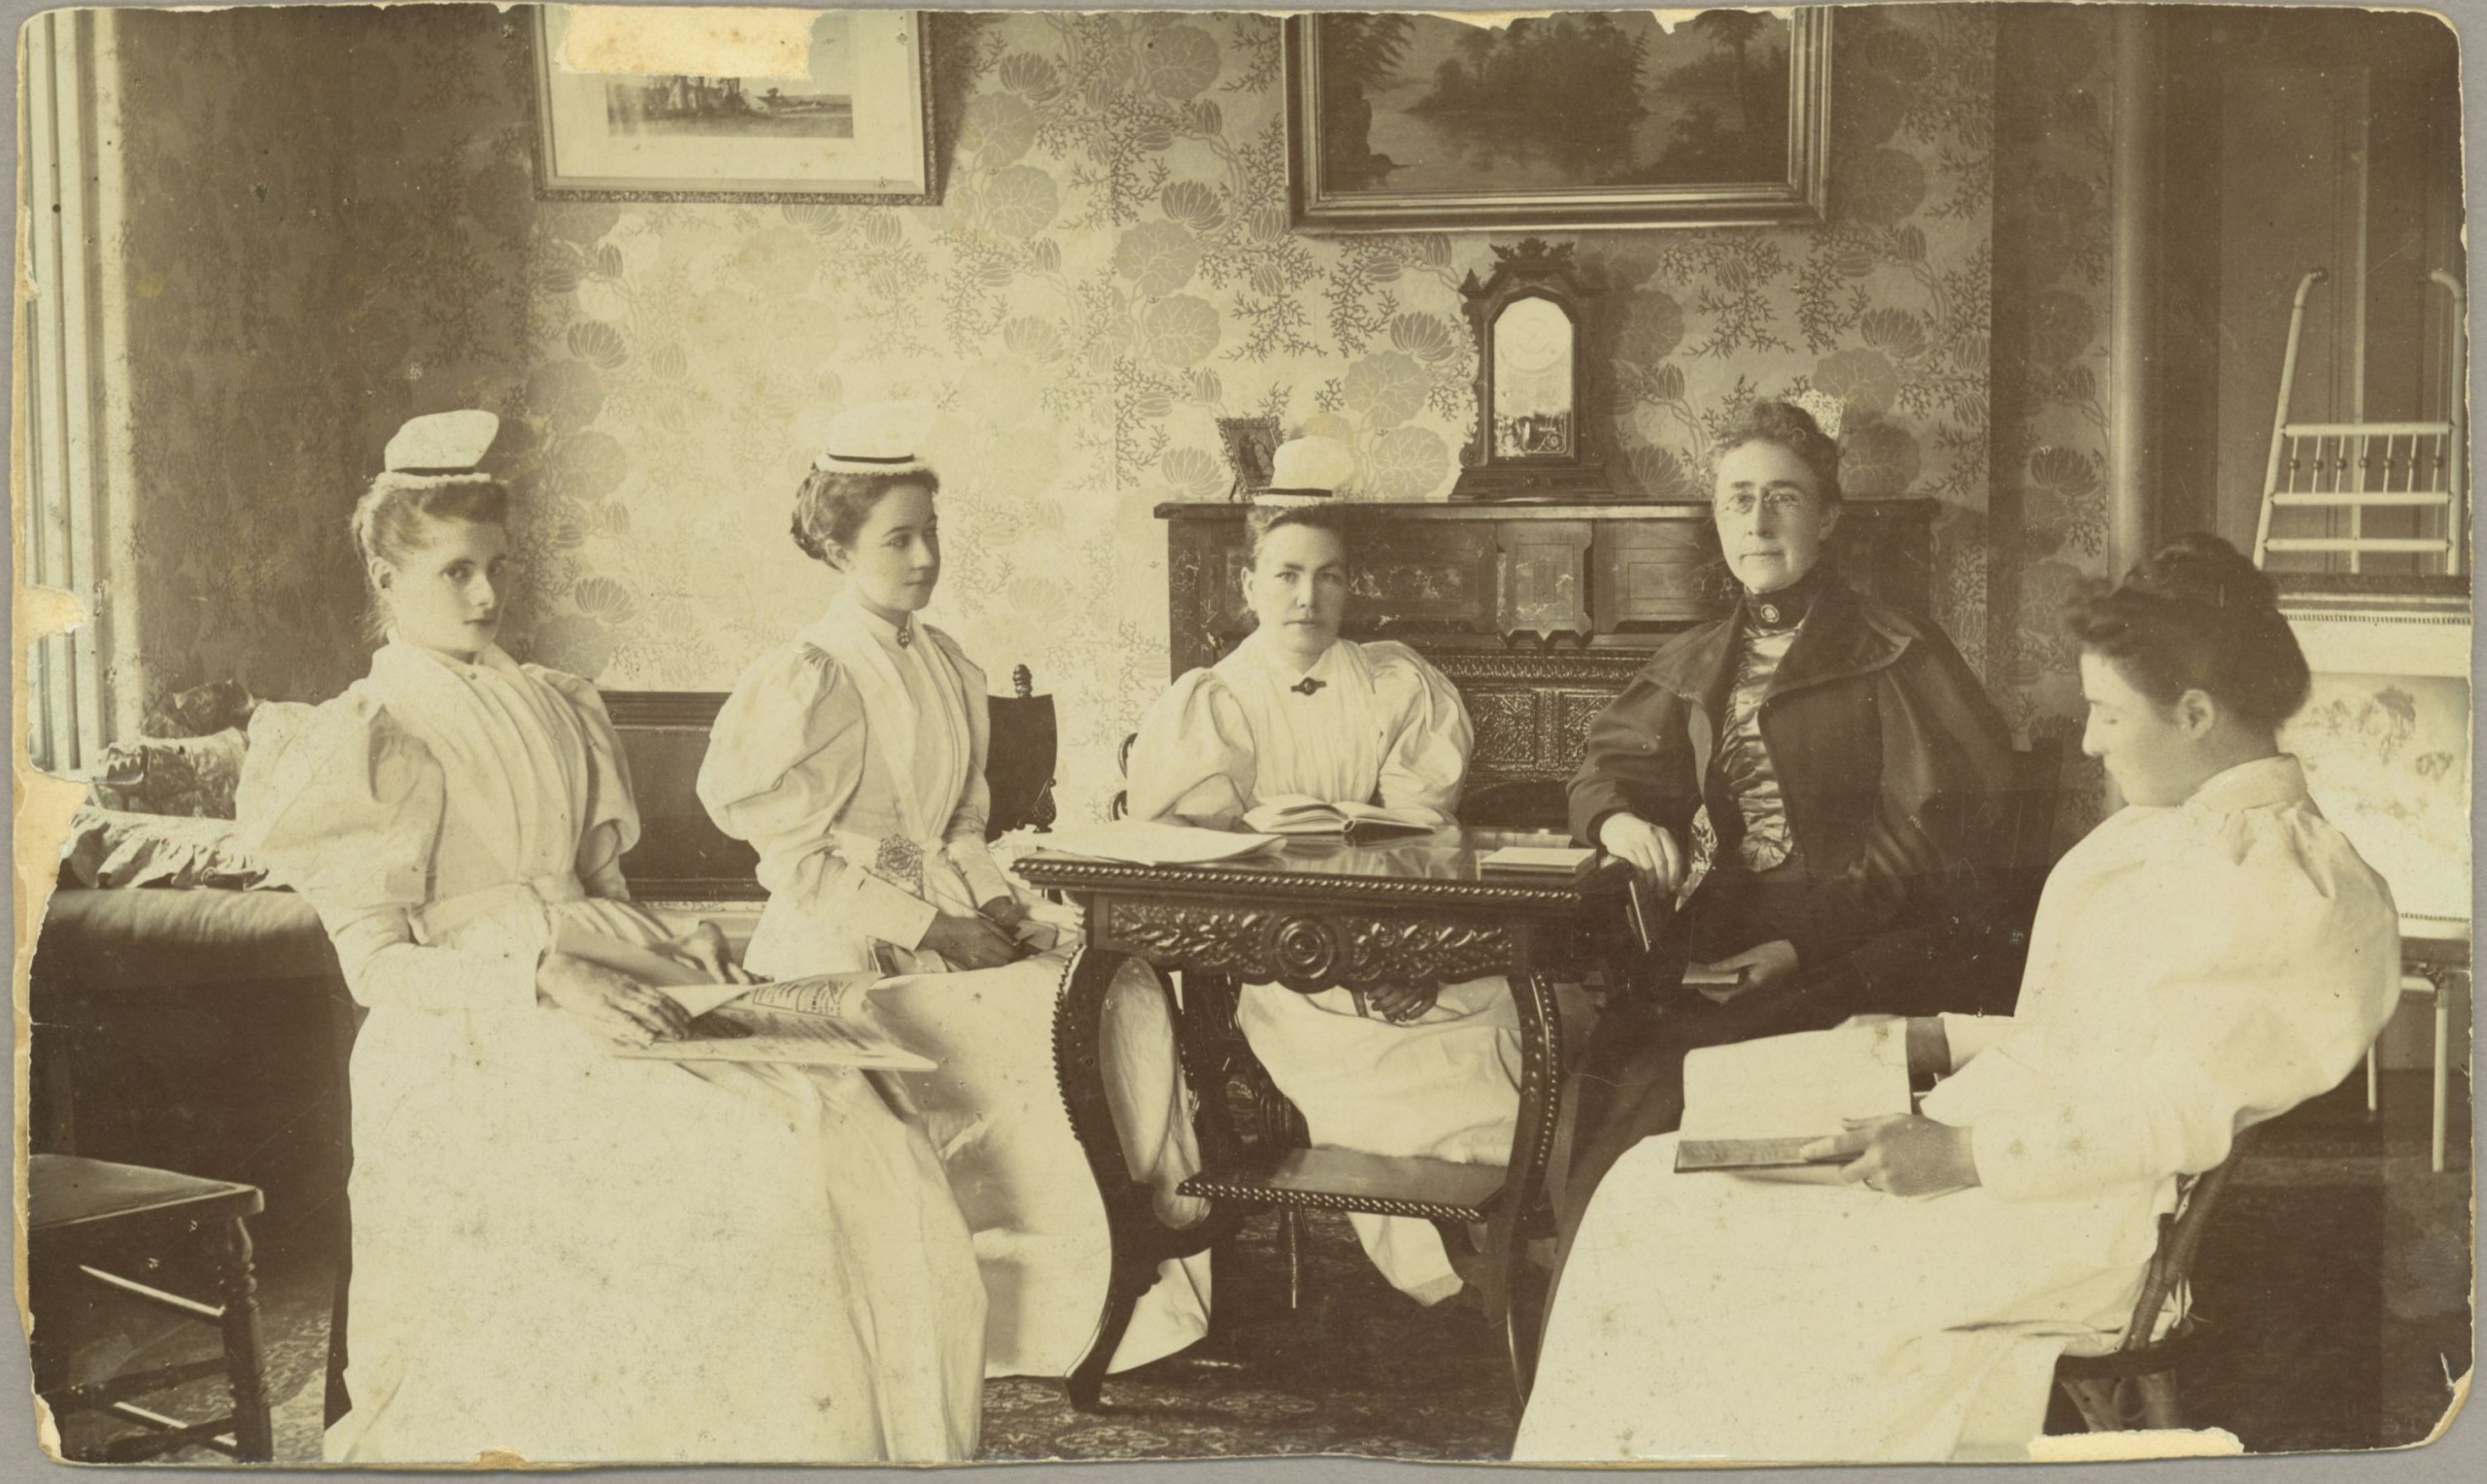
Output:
[[1019, 768], [2121, 1383], [1226, 1059], [80, 1210]]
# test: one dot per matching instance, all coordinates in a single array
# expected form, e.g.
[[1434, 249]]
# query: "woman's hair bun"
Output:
[[2202, 570], [2197, 615]]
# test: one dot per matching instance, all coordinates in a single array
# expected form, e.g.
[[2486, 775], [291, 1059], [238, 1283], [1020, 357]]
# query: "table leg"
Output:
[[1541, 1080], [1139, 1239], [254, 1436]]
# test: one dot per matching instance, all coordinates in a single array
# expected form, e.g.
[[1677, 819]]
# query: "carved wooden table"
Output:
[[1312, 916]]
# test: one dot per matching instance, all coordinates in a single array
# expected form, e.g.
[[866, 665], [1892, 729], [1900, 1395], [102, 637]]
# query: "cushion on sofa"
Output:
[[192, 776], [117, 847]]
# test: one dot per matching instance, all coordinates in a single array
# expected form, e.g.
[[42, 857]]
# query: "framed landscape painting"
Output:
[[1400, 122], [856, 127]]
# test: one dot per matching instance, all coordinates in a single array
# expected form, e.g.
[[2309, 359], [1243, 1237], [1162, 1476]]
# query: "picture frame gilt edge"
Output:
[[1805, 201], [540, 135]]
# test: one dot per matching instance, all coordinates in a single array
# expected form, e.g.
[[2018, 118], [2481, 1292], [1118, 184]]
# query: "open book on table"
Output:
[[1753, 1106], [824, 1019], [1301, 814]]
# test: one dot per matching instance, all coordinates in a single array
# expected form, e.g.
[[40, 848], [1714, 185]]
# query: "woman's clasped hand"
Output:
[[1402, 1002], [1651, 850], [972, 940]]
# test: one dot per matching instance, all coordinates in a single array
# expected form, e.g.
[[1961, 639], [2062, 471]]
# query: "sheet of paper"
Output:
[[1796, 1087], [1147, 843]]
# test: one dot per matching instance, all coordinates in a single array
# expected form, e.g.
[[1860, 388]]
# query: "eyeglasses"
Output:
[[1740, 502]]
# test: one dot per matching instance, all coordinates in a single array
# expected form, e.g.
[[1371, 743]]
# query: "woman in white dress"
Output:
[[853, 758], [2210, 957], [558, 1253], [1296, 709]]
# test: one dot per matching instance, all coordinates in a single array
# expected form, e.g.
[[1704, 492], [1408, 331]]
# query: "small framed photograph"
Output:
[[854, 126]]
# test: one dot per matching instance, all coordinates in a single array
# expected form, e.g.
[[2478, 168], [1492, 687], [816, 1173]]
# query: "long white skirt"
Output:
[[572, 1257], [1724, 1317], [995, 1113], [1444, 1087]]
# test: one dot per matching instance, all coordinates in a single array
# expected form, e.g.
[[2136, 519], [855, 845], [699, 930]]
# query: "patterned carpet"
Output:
[[2335, 1277]]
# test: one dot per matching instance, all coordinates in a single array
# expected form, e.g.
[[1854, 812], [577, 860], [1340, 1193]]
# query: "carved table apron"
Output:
[[1314, 915]]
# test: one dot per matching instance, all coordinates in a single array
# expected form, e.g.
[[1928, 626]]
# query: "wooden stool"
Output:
[[74, 1206]]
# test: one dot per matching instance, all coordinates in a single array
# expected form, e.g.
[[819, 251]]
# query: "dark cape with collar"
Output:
[[1897, 776], [1894, 764]]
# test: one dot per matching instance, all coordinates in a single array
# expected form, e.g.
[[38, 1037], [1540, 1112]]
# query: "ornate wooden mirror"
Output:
[[1533, 439]]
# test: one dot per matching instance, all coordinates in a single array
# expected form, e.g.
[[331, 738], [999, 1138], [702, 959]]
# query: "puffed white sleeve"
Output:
[[1426, 759], [349, 817], [1193, 753], [784, 758], [2260, 998], [611, 824], [963, 837]]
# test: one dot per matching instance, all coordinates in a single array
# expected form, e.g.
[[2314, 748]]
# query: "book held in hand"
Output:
[[1756, 1105], [824, 1020], [1301, 814]]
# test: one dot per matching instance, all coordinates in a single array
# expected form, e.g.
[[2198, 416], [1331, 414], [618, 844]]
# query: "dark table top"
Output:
[[65, 1191], [1436, 869]]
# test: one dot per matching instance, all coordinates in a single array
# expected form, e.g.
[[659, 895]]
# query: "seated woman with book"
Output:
[[1853, 771], [853, 758], [2210, 957], [561, 1251], [1296, 710]]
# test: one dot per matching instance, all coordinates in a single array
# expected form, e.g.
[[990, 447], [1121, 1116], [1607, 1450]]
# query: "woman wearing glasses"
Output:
[[1851, 769]]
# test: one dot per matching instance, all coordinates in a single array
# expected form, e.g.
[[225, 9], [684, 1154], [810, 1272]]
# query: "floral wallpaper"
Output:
[[1110, 271], [2047, 512]]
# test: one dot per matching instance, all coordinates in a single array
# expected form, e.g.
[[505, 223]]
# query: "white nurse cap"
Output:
[[879, 438], [1311, 465], [442, 443]]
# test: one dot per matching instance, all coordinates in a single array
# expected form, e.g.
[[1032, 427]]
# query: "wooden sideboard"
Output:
[[1540, 613]]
